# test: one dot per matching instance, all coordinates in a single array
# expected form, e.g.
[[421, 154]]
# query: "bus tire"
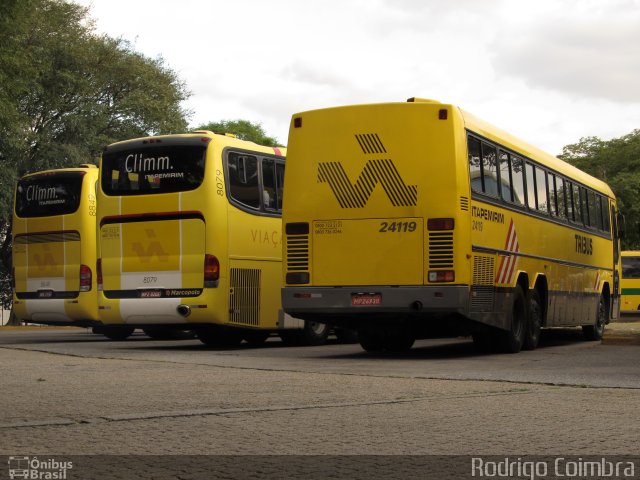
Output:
[[315, 333], [399, 341], [596, 331], [534, 321], [371, 340], [345, 335], [164, 333], [218, 336], [511, 340], [116, 333], [255, 338]]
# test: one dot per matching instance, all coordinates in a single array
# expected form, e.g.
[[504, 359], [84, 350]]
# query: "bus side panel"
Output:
[[255, 267]]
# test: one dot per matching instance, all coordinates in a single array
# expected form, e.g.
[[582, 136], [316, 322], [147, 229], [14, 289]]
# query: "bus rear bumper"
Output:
[[372, 300]]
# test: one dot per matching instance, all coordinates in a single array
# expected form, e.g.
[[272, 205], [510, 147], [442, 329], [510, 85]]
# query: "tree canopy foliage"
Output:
[[66, 92], [243, 129], [617, 162]]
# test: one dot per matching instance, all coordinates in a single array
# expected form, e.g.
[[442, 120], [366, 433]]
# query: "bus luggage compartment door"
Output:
[[373, 251], [149, 255]]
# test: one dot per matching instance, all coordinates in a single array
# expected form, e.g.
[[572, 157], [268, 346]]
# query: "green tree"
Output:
[[616, 162], [243, 129], [66, 92]]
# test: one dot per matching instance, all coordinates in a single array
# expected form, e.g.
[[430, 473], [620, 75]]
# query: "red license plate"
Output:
[[150, 294], [366, 299]]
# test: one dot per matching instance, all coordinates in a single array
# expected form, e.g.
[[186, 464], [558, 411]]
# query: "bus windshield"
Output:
[[48, 194], [151, 170]]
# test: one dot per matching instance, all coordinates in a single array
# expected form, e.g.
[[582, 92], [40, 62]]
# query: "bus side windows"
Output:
[[475, 172], [490, 169], [243, 179], [531, 186], [483, 167], [561, 199], [542, 191], [269, 186], [517, 177], [280, 183]]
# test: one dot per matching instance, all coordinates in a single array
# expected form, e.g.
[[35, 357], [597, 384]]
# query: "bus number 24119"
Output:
[[386, 227]]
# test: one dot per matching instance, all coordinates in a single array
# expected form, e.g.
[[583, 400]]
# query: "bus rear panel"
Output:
[[54, 251]]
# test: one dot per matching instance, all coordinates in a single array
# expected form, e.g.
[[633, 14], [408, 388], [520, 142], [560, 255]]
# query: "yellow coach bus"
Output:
[[190, 239], [404, 219], [54, 247], [630, 284]]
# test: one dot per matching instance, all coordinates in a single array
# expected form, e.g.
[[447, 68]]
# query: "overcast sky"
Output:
[[548, 71]]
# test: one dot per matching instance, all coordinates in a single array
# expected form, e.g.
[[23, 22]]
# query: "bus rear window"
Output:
[[49, 194], [630, 267], [153, 170]]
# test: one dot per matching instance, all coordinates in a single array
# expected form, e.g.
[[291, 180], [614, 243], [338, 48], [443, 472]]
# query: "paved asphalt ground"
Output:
[[271, 411]]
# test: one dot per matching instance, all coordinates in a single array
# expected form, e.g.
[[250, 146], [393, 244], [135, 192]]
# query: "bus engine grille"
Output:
[[440, 250], [244, 296]]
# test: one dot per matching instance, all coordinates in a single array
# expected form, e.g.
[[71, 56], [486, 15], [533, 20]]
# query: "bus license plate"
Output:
[[45, 293], [366, 299], [150, 294]]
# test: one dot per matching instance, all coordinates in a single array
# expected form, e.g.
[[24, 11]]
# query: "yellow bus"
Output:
[[190, 239], [630, 284], [54, 247], [405, 219]]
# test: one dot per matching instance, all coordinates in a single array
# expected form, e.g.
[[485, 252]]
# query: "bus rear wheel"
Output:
[[371, 340], [313, 333], [534, 321], [511, 340], [113, 332], [596, 331], [255, 338], [219, 336], [165, 333]]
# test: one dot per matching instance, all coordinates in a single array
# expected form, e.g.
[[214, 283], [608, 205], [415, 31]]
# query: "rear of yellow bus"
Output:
[[152, 257], [630, 284], [174, 254], [54, 247], [371, 218]]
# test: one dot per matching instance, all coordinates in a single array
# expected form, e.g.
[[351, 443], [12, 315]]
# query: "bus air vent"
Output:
[[482, 289], [464, 204], [244, 296], [297, 253], [440, 250]]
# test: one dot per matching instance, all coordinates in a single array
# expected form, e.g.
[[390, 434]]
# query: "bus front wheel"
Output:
[[596, 331]]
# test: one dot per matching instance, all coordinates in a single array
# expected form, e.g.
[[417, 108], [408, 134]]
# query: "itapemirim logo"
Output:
[[35, 468], [383, 171]]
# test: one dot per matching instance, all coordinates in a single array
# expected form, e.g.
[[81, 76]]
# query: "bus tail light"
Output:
[[440, 224], [99, 273], [211, 271], [442, 276], [85, 278]]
